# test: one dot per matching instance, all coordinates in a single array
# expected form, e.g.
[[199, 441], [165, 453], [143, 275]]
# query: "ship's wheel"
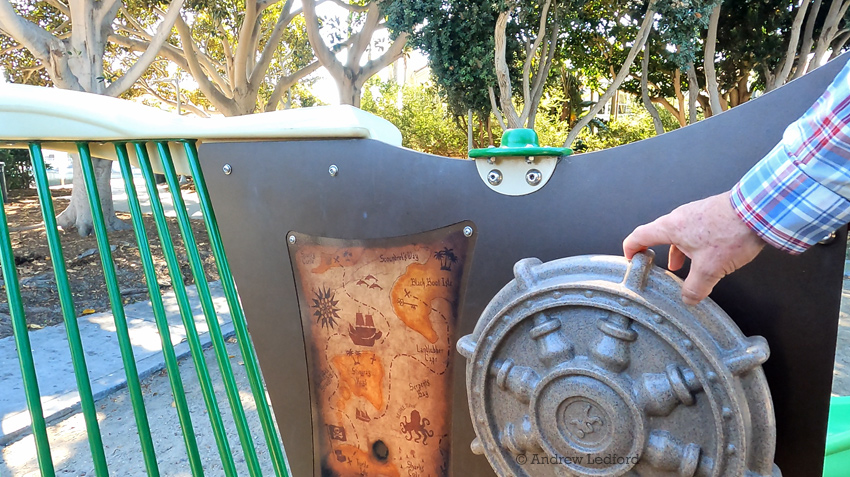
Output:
[[592, 366]]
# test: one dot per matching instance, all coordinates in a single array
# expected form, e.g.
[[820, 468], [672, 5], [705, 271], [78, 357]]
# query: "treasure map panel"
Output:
[[379, 322]]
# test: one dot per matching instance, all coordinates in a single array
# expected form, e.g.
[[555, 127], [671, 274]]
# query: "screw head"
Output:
[[227, 169], [467, 231], [828, 239], [494, 177], [333, 170], [292, 239], [533, 177]]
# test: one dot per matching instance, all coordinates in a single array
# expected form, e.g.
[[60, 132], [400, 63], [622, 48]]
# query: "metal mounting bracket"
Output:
[[516, 175]]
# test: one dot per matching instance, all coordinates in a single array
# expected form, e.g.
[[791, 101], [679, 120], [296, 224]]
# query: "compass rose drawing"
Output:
[[325, 306]]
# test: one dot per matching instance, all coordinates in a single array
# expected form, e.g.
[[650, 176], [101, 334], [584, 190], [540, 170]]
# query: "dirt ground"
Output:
[[85, 273]]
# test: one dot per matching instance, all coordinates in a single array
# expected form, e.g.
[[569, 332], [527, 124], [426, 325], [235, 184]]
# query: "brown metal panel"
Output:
[[591, 203]]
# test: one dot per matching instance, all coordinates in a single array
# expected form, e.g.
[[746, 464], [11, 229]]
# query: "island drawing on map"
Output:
[[379, 319]]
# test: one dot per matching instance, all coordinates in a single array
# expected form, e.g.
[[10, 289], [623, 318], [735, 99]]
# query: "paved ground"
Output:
[[69, 444], [103, 357], [119, 196]]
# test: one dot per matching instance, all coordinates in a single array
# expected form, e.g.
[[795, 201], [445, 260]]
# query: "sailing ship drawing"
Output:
[[364, 332]]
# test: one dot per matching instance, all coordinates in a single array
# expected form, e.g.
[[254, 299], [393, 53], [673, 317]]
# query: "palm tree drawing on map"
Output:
[[446, 257]]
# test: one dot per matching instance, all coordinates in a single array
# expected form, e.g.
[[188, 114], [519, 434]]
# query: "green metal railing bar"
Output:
[[159, 313], [245, 344], [202, 286], [118, 312], [185, 312], [22, 342], [69, 315]]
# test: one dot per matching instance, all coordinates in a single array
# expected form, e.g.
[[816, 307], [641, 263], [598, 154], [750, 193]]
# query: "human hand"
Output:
[[707, 231]]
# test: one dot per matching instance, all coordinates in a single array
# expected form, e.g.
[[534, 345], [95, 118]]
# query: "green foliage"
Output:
[[626, 129], [423, 119], [681, 23], [18, 169], [457, 36]]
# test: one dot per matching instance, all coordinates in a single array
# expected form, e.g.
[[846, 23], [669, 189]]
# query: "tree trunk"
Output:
[[710, 75], [791, 52], [78, 213], [349, 91], [693, 93], [706, 105], [502, 74], [644, 91], [808, 41], [490, 141], [680, 98]]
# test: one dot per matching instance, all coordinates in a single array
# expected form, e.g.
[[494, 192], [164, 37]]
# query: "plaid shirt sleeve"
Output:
[[800, 191]]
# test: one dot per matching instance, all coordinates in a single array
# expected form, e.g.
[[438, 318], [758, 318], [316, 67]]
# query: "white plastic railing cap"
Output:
[[51, 114]]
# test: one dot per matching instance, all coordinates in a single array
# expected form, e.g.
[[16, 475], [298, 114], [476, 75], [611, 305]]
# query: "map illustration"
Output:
[[379, 321]]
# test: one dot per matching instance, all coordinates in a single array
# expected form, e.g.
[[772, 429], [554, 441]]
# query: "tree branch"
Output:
[[12, 48], [59, 6], [286, 82], [642, 34], [35, 38], [503, 74], [808, 41], [839, 43], [267, 55], [644, 91], [791, 52], [216, 97], [546, 59], [693, 93], [361, 39], [495, 108], [44, 46], [183, 104], [708, 65], [244, 44], [143, 62], [393, 53], [228, 51], [178, 56], [532, 50], [834, 15], [323, 53], [351, 8]]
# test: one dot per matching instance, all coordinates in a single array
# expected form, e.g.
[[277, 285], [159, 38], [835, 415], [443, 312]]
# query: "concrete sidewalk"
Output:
[[119, 195], [106, 372], [52, 355]]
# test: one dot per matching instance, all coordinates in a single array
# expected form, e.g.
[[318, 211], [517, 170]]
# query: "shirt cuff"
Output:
[[785, 207]]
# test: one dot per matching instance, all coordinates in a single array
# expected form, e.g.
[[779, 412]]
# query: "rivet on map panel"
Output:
[[467, 231], [333, 170], [292, 239], [227, 169]]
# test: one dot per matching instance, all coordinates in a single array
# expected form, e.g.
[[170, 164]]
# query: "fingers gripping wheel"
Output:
[[592, 366]]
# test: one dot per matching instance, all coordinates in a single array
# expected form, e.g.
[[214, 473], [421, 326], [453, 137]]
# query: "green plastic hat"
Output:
[[520, 142]]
